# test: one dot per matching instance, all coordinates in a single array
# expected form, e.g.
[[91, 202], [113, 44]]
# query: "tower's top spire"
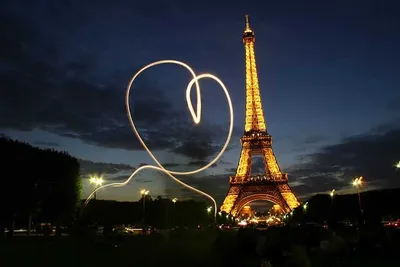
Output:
[[248, 29]]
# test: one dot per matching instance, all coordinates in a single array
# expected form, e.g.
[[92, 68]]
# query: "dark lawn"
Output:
[[189, 249]]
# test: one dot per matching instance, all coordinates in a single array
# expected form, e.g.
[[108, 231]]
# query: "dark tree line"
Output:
[[38, 185], [376, 206], [160, 212]]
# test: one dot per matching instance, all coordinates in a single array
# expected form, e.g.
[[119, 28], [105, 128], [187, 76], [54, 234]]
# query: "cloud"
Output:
[[4, 136], [89, 168], [215, 185], [142, 181], [65, 98], [44, 143], [314, 139], [371, 155]]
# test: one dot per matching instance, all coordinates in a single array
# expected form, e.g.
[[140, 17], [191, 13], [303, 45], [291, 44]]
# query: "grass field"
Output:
[[191, 249]]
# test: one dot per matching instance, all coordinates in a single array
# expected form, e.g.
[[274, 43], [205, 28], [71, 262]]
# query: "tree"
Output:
[[39, 183]]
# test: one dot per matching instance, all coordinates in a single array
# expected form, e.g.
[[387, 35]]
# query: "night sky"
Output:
[[329, 79]]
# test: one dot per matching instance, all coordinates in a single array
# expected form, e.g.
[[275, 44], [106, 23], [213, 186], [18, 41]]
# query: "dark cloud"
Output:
[[314, 139], [215, 185], [4, 136], [141, 181], [231, 170], [257, 166], [202, 163], [304, 145], [39, 91], [44, 143], [171, 165], [371, 155], [88, 168]]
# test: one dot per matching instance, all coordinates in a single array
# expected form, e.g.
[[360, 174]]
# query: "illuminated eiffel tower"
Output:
[[272, 185]]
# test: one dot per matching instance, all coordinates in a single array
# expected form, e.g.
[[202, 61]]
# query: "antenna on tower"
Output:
[[248, 29]]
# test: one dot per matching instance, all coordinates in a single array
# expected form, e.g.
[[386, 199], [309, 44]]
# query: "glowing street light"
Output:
[[332, 194], [209, 209], [397, 166], [357, 183], [174, 200], [97, 181], [144, 193], [305, 206]]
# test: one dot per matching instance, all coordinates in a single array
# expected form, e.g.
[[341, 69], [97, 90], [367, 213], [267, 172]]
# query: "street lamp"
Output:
[[209, 209], [144, 193], [397, 166], [305, 206], [174, 200], [332, 194], [98, 181], [357, 183]]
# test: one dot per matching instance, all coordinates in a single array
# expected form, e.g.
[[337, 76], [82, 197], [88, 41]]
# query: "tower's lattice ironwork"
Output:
[[272, 185]]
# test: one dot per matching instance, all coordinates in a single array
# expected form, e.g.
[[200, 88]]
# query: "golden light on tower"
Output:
[[273, 184], [254, 112], [247, 211]]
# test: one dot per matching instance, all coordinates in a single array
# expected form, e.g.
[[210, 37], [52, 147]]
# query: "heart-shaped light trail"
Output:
[[196, 118]]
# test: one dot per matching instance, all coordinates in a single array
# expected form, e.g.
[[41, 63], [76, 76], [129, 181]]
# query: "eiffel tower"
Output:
[[272, 185]]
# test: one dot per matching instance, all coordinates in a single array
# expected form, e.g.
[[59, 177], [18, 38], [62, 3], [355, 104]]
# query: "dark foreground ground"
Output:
[[192, 248]]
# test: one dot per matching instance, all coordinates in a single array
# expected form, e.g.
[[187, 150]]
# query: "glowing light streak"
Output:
[[196, 115]]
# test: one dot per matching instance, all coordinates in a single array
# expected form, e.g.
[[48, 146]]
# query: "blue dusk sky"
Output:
[[328, 73]]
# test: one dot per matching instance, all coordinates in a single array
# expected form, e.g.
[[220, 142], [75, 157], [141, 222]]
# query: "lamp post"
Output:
[[174, 200], [305, 206], [144, 193], [332, 194], [30, 208], [357, 183], [209, 209], [98, 181]]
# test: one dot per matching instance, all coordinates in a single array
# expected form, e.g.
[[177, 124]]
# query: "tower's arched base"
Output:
[[243, 193]]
